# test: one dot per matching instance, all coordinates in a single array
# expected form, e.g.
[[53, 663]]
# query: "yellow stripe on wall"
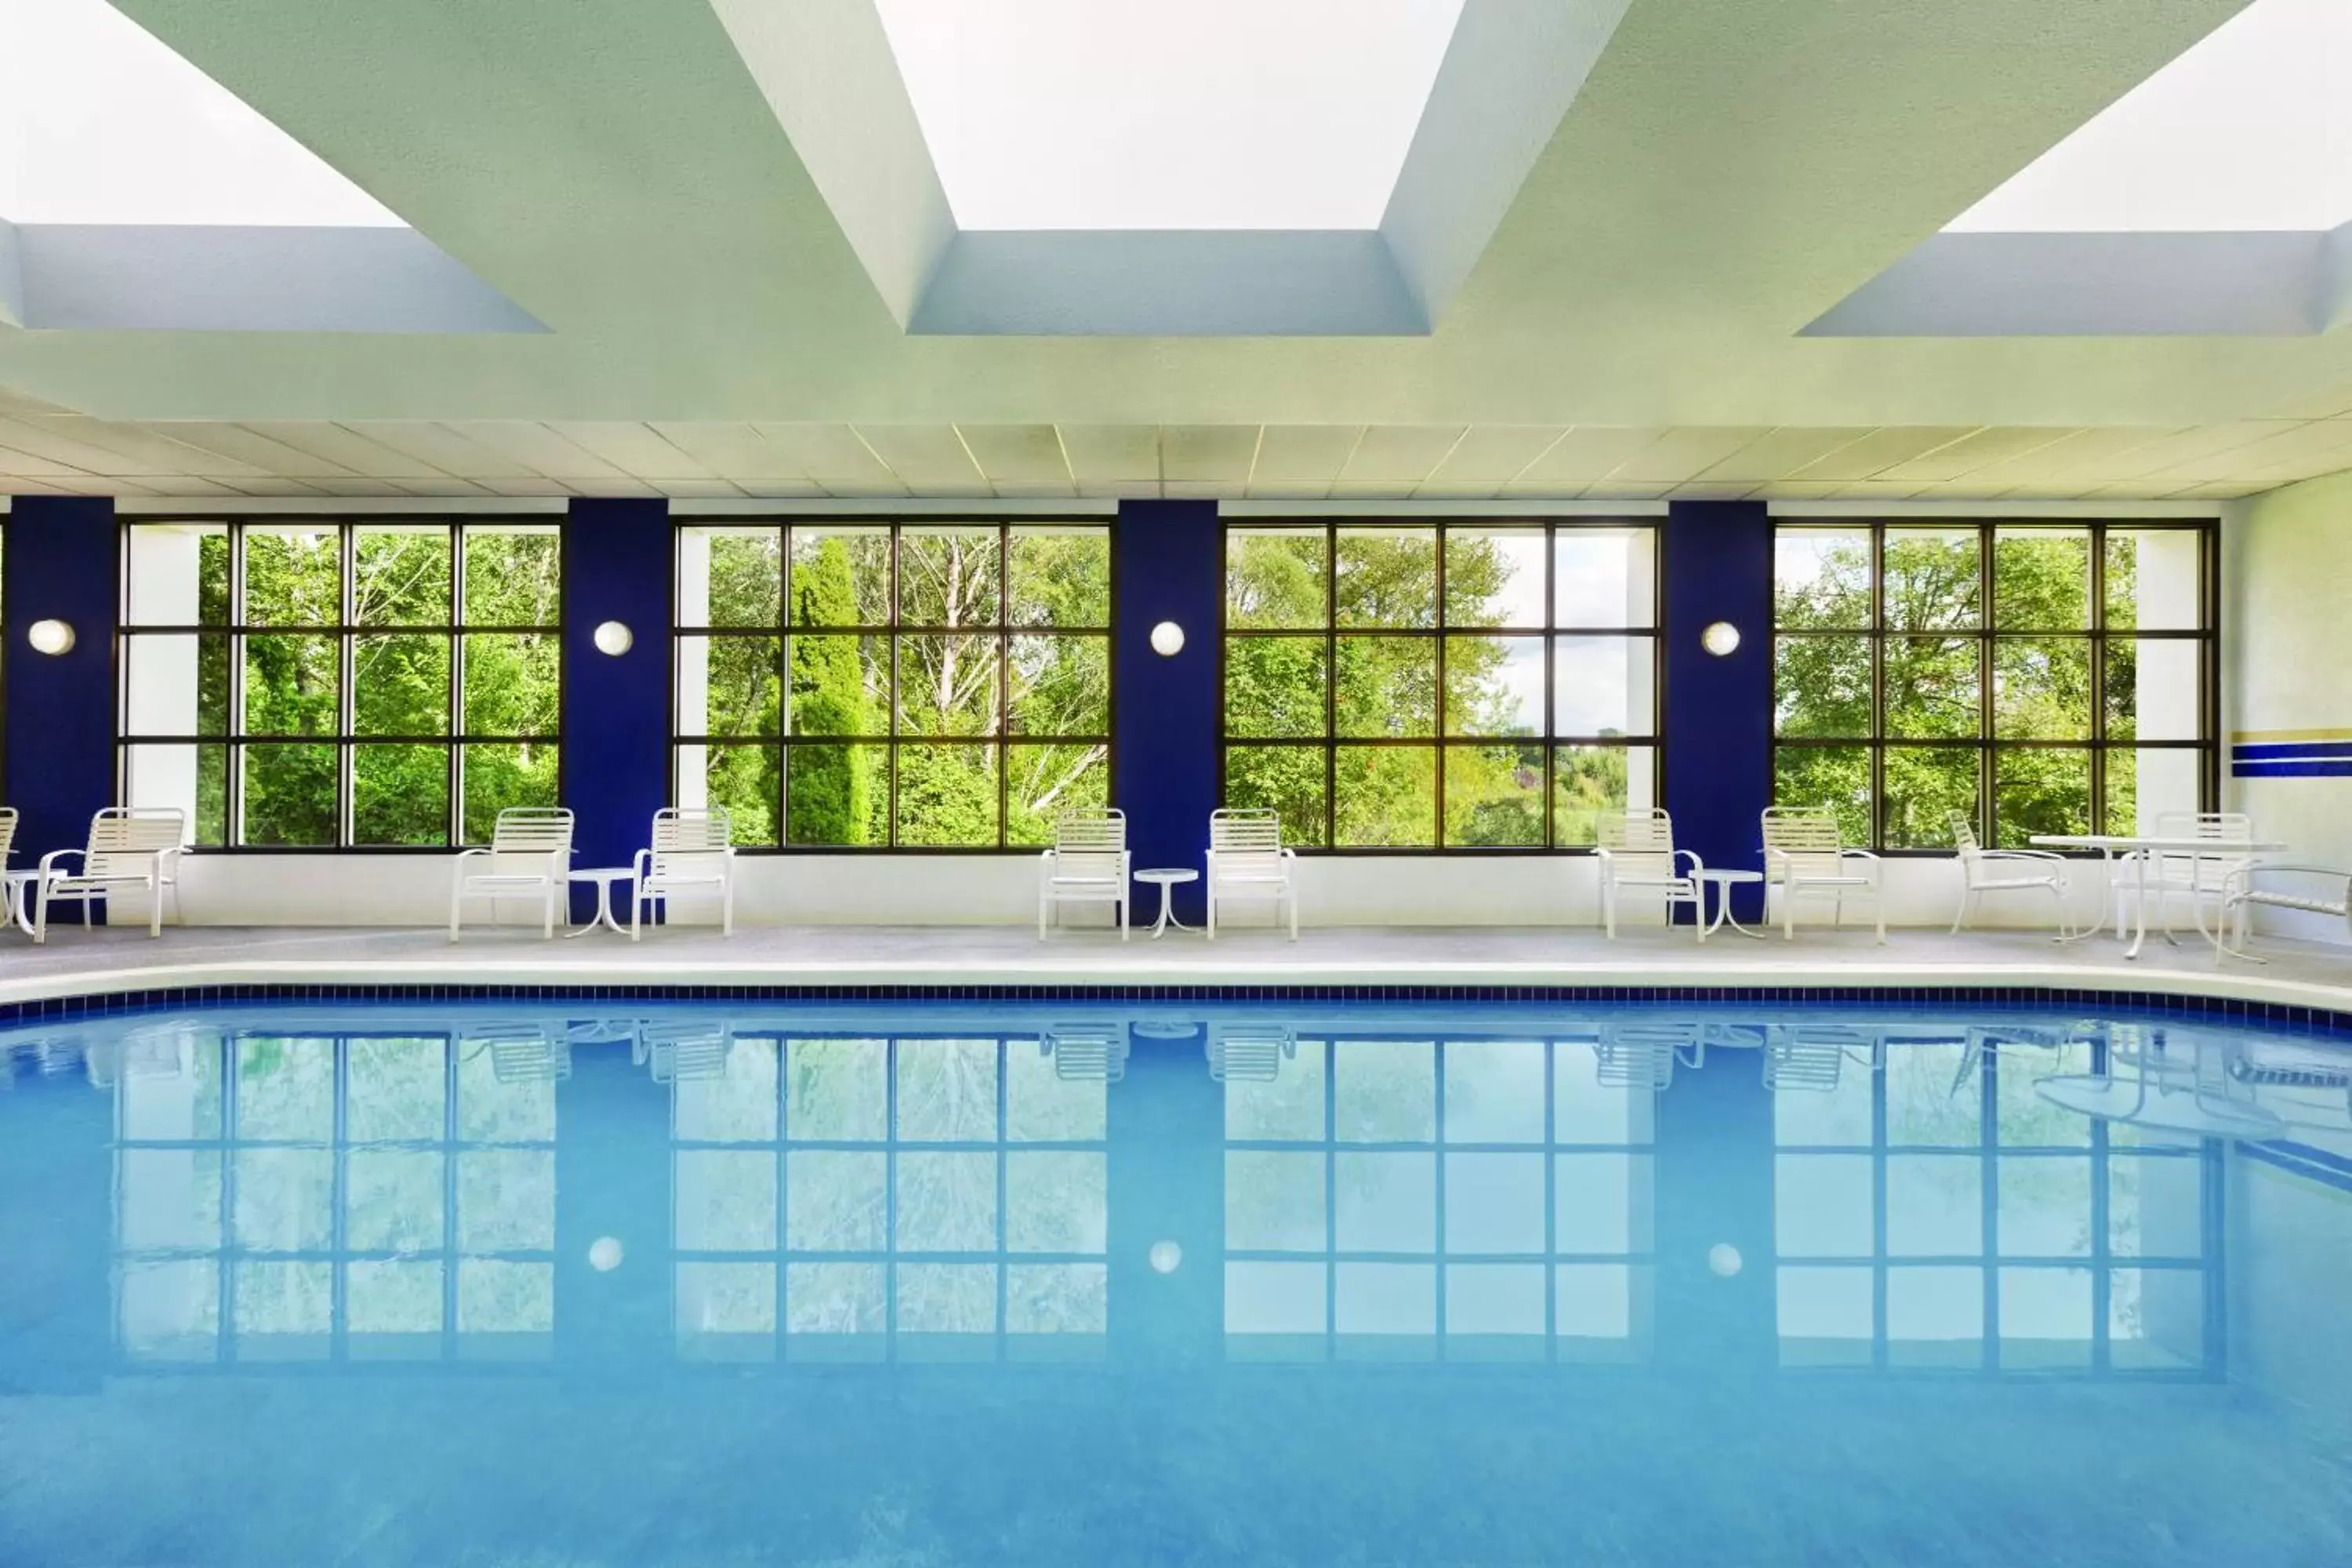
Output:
[[2264, 737]]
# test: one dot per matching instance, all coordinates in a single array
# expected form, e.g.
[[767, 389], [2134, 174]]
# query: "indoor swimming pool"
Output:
[[1099, 1282]]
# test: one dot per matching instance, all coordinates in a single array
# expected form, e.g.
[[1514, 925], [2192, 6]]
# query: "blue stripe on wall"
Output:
[[617, 567], [2315, 769], [1717, 565], [2284, 749], [1166, 564], [62, 565]]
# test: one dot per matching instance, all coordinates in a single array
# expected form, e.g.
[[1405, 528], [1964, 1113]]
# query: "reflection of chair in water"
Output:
[[1086, 1053], [1249, 1053], [520, 1053], [1644, 1055], [1812, 1056], [684, 1052], [2150, 1082]]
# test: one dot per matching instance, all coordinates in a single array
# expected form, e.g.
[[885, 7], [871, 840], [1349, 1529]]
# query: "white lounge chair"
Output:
[[1088, 864], [131, 849], [530, 857], [1637, 855], [1805, 855], [1986, 871], [9, 882], [2322, 891], [693, 852], [1247, 860], [2195, 875]]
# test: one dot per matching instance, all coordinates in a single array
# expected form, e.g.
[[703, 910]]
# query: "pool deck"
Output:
[[110, 960]]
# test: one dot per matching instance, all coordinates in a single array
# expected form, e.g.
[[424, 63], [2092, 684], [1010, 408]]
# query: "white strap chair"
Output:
[[131, 849], [2198, 875], [1805, 854], [1986, 871], [1637, 855], [529, 856], [693, 852], [9, 883], [2324, 891], [1248, 860], [1088, 864]]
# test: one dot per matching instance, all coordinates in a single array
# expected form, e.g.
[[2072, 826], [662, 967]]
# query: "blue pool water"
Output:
[[1095, 1283]]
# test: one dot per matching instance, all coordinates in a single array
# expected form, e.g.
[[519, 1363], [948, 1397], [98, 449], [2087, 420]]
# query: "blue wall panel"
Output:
[[617, 567], [62, 563], [1717, 565], [1168, 561]]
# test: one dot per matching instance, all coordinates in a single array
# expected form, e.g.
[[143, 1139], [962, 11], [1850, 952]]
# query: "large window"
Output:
[[940, 685], [320, 684], [2037, 678], [1464, 686]]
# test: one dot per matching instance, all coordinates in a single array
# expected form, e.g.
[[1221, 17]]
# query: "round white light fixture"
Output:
[[615, 638], [604, 1253], [50, 637], [1165, 1256], [1720, 638], [1168, 639], [1724, 1258]]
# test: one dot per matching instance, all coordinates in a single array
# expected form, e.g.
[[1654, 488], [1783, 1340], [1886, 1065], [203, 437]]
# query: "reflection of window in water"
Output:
[[1465, 1198], [1940, 1212], [311, 1198], [875, 1197]]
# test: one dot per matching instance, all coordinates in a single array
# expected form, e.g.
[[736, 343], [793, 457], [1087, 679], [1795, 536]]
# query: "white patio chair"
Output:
[[1805, 855], [8, 884], [2195, 875], [693, 852], [530, 857], [1986, 871], [2322, 891], [1248, 860], [131, 849], [1637, 855], [1088, 864]]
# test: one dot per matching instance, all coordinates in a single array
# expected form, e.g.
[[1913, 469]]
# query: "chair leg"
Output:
[[1878, 913], [1045, 904], [41, 914], [1123, 912], [547, 913], [456, 897], [727, 908], [1962, 919], [1210, 925], [1291, 891], [155, 913]]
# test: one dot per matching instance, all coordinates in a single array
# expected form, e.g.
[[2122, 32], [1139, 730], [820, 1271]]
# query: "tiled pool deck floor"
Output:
[[108, 961]]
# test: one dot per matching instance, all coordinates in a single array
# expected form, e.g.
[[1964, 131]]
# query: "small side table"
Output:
[[603, 876], [1723, 882], [1164, 878]]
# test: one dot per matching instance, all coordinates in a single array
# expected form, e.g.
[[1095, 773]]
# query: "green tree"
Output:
[[831, 788]]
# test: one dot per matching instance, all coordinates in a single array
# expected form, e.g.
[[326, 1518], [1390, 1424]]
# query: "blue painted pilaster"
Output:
[[1168, 564], [1717, 560], [62, 563], [617, 567]]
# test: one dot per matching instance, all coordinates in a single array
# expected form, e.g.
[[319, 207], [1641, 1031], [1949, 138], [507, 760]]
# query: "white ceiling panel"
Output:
[[1879, 451], [345, 448], [636, 449], [1207, 454], [1113, 459], [1682, 454], [446, 450], [543, 450], [1301, 461], [1959, 459], [930, 459], [139, 450], [1778, 453], [1393, 459], [1581, 457], [835, 457], [1020, 460], [1487, 458], [246, 446]]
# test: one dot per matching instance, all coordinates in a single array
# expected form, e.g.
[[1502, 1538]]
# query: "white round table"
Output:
[[1723, 882], [1164, 878], [603, 876]]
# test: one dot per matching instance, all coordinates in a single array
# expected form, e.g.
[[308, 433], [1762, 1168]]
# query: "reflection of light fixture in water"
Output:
[[1720, 638], [1724, 1258], [604, 1253], [1166, 1029], [1165, 1256], [1168, 639]]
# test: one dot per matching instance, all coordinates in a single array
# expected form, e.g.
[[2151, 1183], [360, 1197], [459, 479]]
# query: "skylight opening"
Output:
[[1168, 114]]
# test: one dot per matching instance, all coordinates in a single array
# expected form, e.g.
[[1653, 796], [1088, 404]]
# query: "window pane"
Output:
[[1286, 779], [289, 793], [1821, 686], [514, 578], [293, 576], [2156, 688], [1275, 578], [2146, 784], [192, 778], [837, 794], [1276, 686], [1604, 577], [946, 795], [1586, 781], [512, 682], [290, 685], [175, 684], [1061, 578], [1043, 781], [730, 686], [1494, 577], [400, 684], [2153, 579], [950, 577], [1494, 795], [1385, 688], [947, 685], [1931, 579], [400, 794], [1925, 784], [1386, 577], [747, 782], [177, 574], [400, 577], [841, 576], [497, 777], [1834, 776], [1059, 686], [1493, 685], [1603, 686], [743, 578], [1931, 688], [1386, 795], [841, 685], [2041, 579], [2039, 789], [1821, 578], [2042, 689]]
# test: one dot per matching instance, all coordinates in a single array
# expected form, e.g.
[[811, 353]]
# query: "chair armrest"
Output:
[[2044, 855], [466, 855], [1857, 855], [1045, 857], [1288, 853], [1696, 865], [49, 860], [638, 863]]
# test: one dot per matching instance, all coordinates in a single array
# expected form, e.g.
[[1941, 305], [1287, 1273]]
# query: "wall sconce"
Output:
[[51, 637], [615, 638], [1168, 639], [1720, 638]]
